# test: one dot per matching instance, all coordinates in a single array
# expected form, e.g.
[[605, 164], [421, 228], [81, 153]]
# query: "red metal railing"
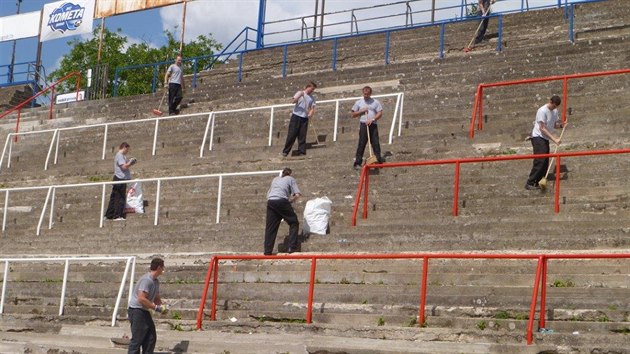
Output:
[[478, 104], [50, 88], [539, 286], [364, 178]]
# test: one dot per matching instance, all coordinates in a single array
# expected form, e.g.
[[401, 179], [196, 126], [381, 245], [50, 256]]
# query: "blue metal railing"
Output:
[[16, 73], [239, 46]]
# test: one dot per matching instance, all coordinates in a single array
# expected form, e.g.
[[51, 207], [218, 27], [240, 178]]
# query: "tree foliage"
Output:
[[116, 53]]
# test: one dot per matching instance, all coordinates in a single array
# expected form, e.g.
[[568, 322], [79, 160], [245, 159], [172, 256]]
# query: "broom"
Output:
[[543, 182], [372, 159], [157, 111]]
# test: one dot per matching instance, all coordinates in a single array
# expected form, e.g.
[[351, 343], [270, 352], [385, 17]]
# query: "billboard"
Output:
[[67, 18], [19, 26], [106, 8]]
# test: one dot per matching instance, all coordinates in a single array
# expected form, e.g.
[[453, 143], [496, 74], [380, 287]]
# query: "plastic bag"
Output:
[[135, 200], [316, 215]]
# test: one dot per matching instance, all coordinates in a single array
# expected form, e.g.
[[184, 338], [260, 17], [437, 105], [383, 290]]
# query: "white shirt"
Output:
[[546, 116]]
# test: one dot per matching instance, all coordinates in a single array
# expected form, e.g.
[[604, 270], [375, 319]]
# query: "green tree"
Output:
[[116, 54]]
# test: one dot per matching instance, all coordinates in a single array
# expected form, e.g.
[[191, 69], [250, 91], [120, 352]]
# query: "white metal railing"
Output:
[[56, 133], [51, 191], [397, 117], [130, 267]]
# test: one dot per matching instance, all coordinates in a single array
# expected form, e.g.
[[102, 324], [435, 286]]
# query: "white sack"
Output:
[[316, 215], [135, 200]]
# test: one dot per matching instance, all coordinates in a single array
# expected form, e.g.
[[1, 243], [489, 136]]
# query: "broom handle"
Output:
[[367, 128], [478, 27], [162, 100], [554, 151]]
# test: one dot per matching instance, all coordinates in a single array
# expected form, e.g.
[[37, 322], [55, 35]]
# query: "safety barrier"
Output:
[[130, 266], [539, 284], [50, 89], [364, 177], [478, 102], [51, 190]]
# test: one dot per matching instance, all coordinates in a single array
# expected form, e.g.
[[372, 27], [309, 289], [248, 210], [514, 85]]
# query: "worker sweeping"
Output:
[[544, 130], [483, 10]]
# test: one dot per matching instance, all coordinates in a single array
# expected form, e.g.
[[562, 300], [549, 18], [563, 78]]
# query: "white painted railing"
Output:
[[397, 117], [56, 133], [130, 267], [51, 190]]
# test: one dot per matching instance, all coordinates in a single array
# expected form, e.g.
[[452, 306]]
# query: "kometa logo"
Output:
[[67, 17]]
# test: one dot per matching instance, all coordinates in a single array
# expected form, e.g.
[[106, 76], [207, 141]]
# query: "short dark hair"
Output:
[[367, 87], [286, 172], [156, 263], [555, 99], [123, 145], [311, 84]]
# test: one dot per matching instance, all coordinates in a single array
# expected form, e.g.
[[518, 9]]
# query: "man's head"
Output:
[[157, 265], [124, 147], [555, 101], [367, 92], [178, 60], [286, 172], [310, 87]]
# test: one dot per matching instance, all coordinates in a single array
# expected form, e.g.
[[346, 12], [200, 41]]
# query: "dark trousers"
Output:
[[484, 23], [298, 127], [175, 96], [363, 140], [117, 200], [539, 168], [143, 335], [277, 210]]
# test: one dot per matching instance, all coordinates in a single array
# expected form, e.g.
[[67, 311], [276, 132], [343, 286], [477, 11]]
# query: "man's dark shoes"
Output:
[[531, 187], [291, 250]]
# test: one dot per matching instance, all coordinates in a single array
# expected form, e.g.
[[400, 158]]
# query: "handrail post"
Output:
[[357, 202], [52, 143], [104, 141], [102, 215], [571, 19], [219, 191], [120, 291], [473, 118], [52, 102], [212, 123], [5, 279], [155, 135], [204, 294], [565, 98], [400, 113], [52, 208], [423, 291], [387, 35], [480, 108], [17, 126], [442, 31], [240, 67], [556, 194], [270, 126], [543, 294], [285, 50], [391, 128], [334, 55], [456, 189], [4, 212], [157, 202], [64, 285], [532, 308], [57, 148], [336, 120], [4, 149], [311, 291], [41, 217], [366, 181], [213, 310]]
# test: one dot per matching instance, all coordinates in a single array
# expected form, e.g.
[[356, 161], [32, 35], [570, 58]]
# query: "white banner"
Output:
[[69, 97], [19, 26], [67, 18]]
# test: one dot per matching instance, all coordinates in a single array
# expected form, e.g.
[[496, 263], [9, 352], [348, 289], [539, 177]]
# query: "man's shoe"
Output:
[[291, 250], [120, 219], [269, 254], [530, 187], [284, 154]]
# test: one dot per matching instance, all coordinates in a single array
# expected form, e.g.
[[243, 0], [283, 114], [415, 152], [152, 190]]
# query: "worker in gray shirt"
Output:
[[281, 194]]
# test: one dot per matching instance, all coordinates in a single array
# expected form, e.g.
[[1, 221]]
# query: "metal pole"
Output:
[[432, 11], [261, 23], [14, 43], [181, 42], [321, 22], [100, 41], [315, 19]]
